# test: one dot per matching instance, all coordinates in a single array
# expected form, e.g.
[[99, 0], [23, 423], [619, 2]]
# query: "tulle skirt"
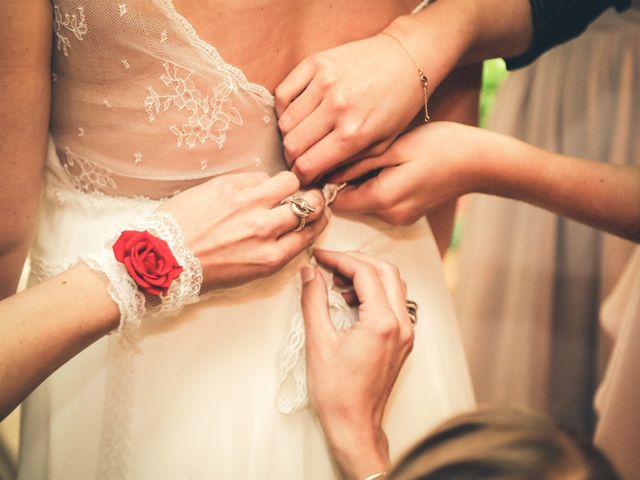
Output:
[[195, 397]]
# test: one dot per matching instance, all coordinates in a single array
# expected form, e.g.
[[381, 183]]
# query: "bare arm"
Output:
[[602, 195], [25, 37], [34, 342], [435, 163]]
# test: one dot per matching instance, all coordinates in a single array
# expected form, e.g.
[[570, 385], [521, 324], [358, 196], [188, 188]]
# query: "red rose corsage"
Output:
[[148, 259]]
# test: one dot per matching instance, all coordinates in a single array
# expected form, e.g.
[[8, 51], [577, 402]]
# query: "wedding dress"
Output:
[[141, 109]]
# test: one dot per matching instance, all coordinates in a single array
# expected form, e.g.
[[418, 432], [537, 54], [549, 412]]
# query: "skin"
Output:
[[441, 161]]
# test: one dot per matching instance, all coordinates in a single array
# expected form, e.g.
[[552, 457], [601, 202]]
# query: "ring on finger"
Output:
[[412, 310], [301, 208], [301, 225]]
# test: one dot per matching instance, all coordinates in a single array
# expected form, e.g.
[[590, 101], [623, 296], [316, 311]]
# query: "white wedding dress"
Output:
[[141, 109]]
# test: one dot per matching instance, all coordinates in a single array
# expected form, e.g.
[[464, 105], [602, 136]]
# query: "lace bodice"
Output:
[[142, 106]]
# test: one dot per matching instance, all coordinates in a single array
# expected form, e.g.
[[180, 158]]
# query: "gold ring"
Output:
[[412, 310]]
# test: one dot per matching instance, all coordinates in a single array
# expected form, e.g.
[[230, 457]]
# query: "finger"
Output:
[[292, 243], [309, 131], [366, 283], [368, 197], [294, 84], [272, 191], [301, 107], [285, 221], [392, 283], [326, 155], [315, 307], [360, 168]]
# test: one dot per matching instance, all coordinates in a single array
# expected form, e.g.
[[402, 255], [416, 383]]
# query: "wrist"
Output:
[[503, 166], [423, 34], [359, 448]]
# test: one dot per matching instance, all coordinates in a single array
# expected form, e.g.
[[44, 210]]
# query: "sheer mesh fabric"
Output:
[[143, 107]]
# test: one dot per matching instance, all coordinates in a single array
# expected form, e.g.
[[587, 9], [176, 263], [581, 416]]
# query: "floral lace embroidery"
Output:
[[87, 177], [73, 23], [209, 116]]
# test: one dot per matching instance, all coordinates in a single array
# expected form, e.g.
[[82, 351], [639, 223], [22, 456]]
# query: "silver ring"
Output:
[[301, 208], [303, 222], [412, 310]]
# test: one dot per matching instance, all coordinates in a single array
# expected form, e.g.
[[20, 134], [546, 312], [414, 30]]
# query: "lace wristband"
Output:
[[181, 287]]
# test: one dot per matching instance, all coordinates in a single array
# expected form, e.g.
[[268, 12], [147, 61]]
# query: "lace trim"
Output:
[[124, 291], [292, 365], [233, 72], [186, 290]]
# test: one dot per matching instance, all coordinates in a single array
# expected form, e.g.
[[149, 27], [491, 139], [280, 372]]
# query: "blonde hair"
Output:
[[501, 444]]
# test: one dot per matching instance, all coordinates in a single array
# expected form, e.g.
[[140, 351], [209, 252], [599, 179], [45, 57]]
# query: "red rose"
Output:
[[148, 260]]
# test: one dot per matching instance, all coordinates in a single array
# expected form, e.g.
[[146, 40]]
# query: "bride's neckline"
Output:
[[210, 51]]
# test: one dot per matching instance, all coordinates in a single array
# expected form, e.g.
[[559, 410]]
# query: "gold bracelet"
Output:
[[424, 81]]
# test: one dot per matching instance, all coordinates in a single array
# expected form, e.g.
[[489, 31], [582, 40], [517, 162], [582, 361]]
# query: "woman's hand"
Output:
[[351, 373], [339, 102], [422, 169], [235, 225]]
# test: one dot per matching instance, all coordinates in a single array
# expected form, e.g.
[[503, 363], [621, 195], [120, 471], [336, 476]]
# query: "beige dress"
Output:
[[618, 398], [531, 283]]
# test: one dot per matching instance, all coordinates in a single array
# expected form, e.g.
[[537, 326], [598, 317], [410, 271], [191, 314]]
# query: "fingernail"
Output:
[[307, 274]]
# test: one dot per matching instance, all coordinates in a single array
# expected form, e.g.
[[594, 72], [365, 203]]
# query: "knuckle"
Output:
[[280, 95], [291, 145], [395, 216], [388, 330], [273, 258], [338, 101], [242, 199], [408, 338], [325, 77], [304, 166], [261, 226], [283, 123], [351, 132]]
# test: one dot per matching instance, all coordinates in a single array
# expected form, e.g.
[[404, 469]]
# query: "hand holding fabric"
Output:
[[351, 372]]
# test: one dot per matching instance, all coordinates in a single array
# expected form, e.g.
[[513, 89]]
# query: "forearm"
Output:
[[359, 450], [25, 79], [47, 325], [602, 195], [454, 32]]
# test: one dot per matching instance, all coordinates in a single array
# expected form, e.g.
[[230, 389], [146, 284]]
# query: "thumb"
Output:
[[315, 305]]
